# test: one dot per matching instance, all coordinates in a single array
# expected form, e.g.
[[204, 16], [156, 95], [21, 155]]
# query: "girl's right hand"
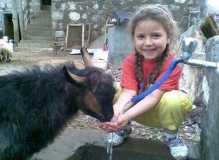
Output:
[[115, 117], [115, 124]]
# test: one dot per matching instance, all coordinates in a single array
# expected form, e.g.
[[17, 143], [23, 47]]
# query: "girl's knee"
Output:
[[177, 100]]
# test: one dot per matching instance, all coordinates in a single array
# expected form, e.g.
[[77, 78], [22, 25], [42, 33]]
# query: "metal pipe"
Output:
[[188, 47], [202, 63]]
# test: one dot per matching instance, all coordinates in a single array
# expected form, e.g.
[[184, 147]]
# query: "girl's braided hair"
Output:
[[153, 75], [161, 14]]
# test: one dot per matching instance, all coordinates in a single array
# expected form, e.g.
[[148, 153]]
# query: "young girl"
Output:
[[154, 33]]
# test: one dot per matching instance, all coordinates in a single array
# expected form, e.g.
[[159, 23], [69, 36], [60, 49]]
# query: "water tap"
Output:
[[188, 47]]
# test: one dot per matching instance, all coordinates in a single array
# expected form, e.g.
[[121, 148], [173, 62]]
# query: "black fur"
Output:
[[35, 104]]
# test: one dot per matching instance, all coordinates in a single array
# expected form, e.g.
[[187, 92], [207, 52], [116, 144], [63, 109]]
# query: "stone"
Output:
[[59, 34], [72, 5], [57, 15], [74, 16], [84, 16]]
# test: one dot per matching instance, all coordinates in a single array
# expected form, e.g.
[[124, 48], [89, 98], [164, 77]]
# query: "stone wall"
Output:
[[27, 10], [96, 11], [6, 5], [210, 118], [35, 7]]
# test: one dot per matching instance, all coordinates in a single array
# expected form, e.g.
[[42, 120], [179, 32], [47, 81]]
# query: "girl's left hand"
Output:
[[108, 126], [116, 124]]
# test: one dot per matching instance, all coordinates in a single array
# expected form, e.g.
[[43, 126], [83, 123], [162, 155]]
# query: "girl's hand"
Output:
[[122, 120], [108, 126], [116, 123]]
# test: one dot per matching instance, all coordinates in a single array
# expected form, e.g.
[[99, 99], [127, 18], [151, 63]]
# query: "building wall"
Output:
[[92, 11], [25, 9], [96, 11], [5, 7], [29, 9], [210, 115]]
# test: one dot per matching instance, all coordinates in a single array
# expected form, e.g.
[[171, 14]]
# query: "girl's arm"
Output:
[[144, 105], [124, 98], [141, 107]]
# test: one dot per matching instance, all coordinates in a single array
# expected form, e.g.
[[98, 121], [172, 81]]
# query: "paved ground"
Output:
[[70, 139], [44, 57]]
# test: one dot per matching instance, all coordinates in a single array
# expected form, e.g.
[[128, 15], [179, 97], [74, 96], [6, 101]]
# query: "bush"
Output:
[[5, 55]]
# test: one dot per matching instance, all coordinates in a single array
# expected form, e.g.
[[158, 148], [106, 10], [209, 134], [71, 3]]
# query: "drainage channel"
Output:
[[132, 149]]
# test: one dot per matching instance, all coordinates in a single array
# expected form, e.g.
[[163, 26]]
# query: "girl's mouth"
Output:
[[149, 51]]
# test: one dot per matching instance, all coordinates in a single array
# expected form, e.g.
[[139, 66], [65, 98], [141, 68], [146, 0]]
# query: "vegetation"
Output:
[[5, 55], [209, 27]]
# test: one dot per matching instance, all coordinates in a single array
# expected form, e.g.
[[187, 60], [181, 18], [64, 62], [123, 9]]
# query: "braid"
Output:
[[152, 77], [139, 73], [139, 69]]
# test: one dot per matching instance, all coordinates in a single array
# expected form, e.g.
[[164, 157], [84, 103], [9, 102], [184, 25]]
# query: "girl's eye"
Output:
[[140, 36], [156, 35]]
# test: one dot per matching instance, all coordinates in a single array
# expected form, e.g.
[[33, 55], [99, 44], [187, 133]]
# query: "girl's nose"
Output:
[[148, 41]]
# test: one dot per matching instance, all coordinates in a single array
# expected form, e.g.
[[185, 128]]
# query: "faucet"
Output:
[[188, 47]]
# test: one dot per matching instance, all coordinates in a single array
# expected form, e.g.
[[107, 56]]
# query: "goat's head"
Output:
[[97, 90]]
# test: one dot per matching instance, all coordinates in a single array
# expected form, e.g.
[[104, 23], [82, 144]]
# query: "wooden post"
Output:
[[210, 119], [15, 21], [21, 18]]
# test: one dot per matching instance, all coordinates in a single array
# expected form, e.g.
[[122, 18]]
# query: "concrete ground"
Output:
[[68, 142]]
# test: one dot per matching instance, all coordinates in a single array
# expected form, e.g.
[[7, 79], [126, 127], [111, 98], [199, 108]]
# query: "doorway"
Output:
[[8, 28], [46, 2]]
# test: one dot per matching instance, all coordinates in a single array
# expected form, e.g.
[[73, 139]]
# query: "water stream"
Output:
[[109, 147]]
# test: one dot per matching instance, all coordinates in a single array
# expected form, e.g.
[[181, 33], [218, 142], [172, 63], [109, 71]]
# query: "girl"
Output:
[[153, 31]]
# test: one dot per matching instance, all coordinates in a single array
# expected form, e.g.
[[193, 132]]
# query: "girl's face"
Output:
[[150, 38]]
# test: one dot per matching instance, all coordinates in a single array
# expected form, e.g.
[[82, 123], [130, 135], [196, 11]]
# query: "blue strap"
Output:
[[158, 83]]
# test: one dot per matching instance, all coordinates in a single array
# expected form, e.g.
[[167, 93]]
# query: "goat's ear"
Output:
[[71, 77]]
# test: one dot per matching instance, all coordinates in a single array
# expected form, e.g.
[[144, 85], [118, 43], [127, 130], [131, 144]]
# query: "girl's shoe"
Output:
[[178, 148]]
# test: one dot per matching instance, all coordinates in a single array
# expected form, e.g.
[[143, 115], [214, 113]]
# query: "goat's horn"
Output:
[[75, 77], [86, 57]]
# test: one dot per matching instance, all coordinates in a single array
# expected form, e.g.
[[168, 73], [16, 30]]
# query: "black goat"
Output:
[[35, 105]]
